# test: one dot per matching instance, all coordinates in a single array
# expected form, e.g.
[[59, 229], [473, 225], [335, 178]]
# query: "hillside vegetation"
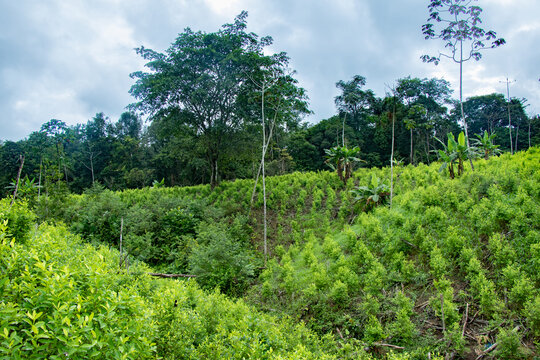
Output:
[[451, 268], [63, 299]]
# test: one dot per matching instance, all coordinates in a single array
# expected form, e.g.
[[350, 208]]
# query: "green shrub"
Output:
[[220, 261], [509, 345], [61, 299], [19, 220], [532, 313]]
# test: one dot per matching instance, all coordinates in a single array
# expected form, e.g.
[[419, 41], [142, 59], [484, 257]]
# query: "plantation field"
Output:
[[451, 268]]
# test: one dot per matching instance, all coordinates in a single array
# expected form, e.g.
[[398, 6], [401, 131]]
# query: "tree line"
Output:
[[211, 97]]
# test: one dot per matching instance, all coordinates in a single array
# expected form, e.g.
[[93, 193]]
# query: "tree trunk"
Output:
[[92, 167], [461, 101], [39, 181], [265, 147], [530, 132], [517, 135], [509, 118], [21, 159], [411, 156], [343, 131], [213, 175], [264, 179], [392, 153]]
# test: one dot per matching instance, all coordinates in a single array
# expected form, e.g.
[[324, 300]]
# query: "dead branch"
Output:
[[340, 334], [465, 321], [172, 275], [21, 159], [388, 345]]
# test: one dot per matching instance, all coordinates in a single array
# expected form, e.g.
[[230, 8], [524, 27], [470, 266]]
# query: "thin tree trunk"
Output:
[[265, 147], [264, 178], [92, 167], [461, 101], [411, 156], [509, 118], [530, 120], [213, 172], [121, 250], [21, 159], [343, 131], [517, 135], [65, 171], [39, 181], [392, 153], [427, 140]]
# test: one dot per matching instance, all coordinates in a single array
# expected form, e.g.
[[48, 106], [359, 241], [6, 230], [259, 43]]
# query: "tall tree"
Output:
[[199, 80], [353, 100], [464, 39], [425, 101]]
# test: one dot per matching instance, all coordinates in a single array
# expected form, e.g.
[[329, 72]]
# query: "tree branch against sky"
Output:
[[456, 22]]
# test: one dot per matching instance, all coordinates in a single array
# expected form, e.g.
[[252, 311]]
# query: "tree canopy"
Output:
[[202, 80]]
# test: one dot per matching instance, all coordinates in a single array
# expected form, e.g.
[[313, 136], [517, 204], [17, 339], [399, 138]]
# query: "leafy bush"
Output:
[[219, 260], [19, 220], [62, 299]]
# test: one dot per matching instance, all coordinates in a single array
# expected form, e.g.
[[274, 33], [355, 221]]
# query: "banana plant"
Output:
[[448, 155], [485, 144], [464, 152], [341, 159], [455, 151], [374, 194]]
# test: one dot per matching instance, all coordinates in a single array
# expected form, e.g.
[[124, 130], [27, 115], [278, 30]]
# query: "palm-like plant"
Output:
[[455, 151], [485, 143], [27, 187], [341, 159], [448, 155], [374, 194], [463, 152]]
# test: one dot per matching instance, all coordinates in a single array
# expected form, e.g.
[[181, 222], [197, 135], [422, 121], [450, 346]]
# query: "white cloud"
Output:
[[71, 59]]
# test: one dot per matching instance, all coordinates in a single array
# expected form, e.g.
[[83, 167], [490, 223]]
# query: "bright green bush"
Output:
[[19, 219], [473, 240], [61, 299], [219, 260]]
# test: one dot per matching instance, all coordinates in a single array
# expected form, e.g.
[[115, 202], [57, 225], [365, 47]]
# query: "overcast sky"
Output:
[[70, 59]]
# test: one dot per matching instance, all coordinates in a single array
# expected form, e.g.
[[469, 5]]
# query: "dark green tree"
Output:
[[199, 81], [425, 113]]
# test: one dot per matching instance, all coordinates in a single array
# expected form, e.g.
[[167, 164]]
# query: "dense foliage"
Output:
[[347, 265], [60, 298], [442, 258]]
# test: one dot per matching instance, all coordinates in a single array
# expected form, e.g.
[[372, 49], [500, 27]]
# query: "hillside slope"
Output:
[[62, 299], [452, 267]]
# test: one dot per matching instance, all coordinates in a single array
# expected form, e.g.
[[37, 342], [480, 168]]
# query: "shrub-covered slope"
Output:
[[452, 267], [62, 299]]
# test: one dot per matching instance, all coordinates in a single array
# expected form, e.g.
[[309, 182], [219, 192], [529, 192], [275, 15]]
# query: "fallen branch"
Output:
[[423, 305], [409, 243], [388, 345], [465, 321], [484, 353], [172, 275], [492, 347], [340, 334]]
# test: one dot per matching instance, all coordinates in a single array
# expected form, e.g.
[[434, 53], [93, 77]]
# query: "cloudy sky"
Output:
[[69, 60]]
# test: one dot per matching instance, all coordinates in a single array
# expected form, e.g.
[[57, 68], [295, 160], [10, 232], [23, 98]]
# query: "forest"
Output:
[[209, 221]]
